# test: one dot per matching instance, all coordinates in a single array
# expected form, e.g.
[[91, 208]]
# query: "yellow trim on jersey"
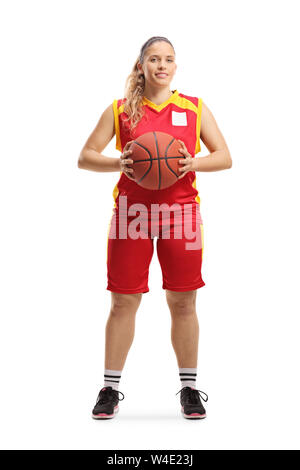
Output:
[[180, 101], [118, 141], [117, 125], [116, 192], [184, 103], [199, 114], [197, 198], [161, 106]]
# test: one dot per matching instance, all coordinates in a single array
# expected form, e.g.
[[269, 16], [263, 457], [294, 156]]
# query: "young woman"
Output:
[[150, 105]]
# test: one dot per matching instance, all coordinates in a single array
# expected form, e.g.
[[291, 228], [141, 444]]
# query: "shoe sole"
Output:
[[193, 415], [105, 415]]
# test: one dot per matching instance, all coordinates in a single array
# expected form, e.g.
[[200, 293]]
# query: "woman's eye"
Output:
[[169, 60]]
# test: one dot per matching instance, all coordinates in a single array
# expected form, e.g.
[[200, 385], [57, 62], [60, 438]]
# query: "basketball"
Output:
[[155, 158]]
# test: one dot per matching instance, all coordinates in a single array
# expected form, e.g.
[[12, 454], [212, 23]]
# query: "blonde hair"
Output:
[[135, 86]]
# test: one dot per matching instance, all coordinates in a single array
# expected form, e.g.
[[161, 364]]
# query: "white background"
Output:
[[63, 63]]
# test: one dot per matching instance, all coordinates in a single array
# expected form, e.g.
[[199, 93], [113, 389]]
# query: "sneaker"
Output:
[[191, 406], [107, 404]]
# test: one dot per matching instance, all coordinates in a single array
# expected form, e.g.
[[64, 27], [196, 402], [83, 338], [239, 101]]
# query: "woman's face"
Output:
[[159, 57]]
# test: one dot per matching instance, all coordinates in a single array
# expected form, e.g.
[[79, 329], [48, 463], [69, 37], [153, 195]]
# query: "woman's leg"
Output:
[[185, 326], [120, 326]]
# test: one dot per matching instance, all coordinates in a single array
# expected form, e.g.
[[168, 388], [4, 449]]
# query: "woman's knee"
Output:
[[124, 303], [181, 303]]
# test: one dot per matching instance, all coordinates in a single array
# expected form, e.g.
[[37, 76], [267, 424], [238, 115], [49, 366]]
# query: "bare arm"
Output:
[[90, 157], [219, 158]]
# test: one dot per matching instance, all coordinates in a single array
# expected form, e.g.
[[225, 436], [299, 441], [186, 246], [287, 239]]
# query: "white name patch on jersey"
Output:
[[179, 119]]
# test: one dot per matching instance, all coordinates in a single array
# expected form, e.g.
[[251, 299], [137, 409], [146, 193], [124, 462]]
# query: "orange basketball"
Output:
[[155, 158]]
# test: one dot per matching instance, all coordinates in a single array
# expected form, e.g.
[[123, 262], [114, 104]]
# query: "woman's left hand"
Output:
[[188, 162]]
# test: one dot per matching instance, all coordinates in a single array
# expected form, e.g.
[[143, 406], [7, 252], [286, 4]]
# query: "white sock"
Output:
[[112, 378], [188, 376]]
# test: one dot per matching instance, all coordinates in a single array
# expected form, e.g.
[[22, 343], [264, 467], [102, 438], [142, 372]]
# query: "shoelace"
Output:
[[107, 395], [193, 392]]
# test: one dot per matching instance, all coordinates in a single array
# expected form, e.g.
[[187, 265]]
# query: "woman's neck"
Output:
[[157, 96]]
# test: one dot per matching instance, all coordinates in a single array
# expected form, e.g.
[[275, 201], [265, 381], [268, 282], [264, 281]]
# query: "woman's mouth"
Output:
[[161, 75]]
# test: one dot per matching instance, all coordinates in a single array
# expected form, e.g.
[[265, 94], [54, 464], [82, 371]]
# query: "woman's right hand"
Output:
[[124, 161]]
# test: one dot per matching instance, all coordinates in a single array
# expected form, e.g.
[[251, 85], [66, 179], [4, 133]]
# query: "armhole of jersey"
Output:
[[117, 125], [198, 127]]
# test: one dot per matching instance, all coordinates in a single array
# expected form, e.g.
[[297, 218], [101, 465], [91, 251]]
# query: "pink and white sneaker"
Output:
[[191, 406]]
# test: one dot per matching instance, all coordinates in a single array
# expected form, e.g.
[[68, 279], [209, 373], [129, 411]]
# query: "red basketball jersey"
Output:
[[179, 116]]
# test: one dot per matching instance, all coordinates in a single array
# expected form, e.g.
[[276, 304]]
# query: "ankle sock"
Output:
[[188, 376], [112, 378]]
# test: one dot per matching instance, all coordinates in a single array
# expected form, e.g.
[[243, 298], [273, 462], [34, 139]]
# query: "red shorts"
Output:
[[179, 249]]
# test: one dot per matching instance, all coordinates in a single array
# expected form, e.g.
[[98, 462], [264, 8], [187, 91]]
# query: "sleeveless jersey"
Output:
[[179, 116]]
